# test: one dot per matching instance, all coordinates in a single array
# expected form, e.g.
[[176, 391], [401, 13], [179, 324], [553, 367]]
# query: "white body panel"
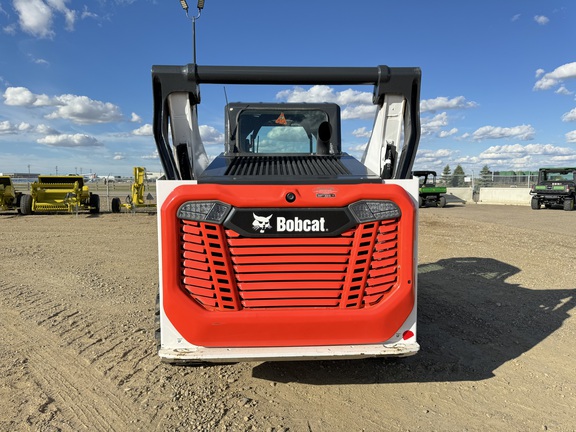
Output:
[[386, 132], [185, 129]]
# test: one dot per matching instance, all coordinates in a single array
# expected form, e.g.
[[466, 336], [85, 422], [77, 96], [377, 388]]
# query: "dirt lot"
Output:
[[496, 327]]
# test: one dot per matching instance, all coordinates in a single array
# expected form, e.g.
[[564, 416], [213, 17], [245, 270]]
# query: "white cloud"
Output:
[[10, 29], [555, 77], [351, 97], [431, 158], [358, 105], [443, 153], [87, 14], [517, 151], [431, 125], [118, 156], [541, 19], [154, 155], [446, 134], [323, 93], [83, 110], [42, 101], [362, 133], [211, 135], [358, 148], [471, 160], [521, 163], [563, 91], [69, 15], [443, 103], [36, 16], [569, 116], [355, 104], [318, 93], [208, 134], [571, 136], [144, 130], [8, 128], [69, 140], [45, 130], [523, 132], [135, 118], [515, 17], [563, 158], [19, 96], [78, 109], [440, 153], [358, 112]]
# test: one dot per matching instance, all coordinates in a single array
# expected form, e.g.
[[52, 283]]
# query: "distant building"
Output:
[[153, 175], [22, 177]]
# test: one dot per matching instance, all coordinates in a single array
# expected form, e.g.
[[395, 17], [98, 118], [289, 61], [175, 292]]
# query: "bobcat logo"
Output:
[[261, 223]]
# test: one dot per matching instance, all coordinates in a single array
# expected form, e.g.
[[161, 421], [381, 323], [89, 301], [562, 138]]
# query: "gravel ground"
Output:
[[496, 327]]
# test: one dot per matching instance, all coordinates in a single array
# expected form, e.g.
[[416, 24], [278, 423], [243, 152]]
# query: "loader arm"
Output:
[[396, 95]]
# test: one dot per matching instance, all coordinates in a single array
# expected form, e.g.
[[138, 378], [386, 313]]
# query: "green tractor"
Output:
[[429, 193], [555, 187]]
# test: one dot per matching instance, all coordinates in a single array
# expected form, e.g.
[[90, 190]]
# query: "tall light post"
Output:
[[200, 6]]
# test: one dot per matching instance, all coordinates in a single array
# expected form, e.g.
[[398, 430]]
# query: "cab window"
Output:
[[279, 131]]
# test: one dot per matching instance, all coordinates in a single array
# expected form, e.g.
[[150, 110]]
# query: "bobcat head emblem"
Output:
[[261, 223]]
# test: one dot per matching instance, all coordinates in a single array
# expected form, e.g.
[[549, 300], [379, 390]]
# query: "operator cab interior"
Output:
[[283, 129]]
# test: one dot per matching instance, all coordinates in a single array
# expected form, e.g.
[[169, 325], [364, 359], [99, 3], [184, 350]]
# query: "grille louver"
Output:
[[223, 271]]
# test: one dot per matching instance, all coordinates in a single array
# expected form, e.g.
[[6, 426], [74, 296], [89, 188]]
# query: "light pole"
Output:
[[200, 6]]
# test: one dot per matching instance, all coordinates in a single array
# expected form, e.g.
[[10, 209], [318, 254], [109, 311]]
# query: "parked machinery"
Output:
[[54, 194], [430, 194], [136, 198], [285, 247], [9, 197], [556, 186]]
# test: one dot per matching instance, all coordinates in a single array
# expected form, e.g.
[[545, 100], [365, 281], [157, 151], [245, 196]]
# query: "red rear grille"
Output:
[[222, 270]]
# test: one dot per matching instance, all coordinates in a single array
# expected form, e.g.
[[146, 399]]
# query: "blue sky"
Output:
[[498, 77]]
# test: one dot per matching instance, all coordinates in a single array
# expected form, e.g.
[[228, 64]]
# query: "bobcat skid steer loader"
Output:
[[284, 247]]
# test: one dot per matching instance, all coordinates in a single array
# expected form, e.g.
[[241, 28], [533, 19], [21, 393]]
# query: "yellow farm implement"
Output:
[[9, 197], [54, 194], [136, 198]]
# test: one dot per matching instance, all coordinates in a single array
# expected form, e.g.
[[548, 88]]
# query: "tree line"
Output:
[[458, 177]]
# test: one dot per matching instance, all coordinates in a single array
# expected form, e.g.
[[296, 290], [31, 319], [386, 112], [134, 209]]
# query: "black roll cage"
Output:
[[403, 81]]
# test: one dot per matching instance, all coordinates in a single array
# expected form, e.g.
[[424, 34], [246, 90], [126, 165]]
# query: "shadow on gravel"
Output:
[[470, 323]]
